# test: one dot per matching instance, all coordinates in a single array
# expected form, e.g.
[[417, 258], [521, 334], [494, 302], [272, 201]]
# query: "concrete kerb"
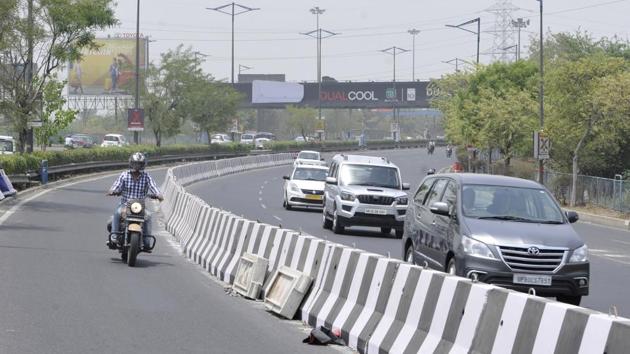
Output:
[[604, 220]]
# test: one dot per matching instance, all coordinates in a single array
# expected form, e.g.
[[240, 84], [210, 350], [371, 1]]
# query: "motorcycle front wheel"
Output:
[[134, 246]]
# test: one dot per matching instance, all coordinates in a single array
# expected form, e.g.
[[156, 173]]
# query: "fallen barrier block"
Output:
[[250, 275], [286, 291]]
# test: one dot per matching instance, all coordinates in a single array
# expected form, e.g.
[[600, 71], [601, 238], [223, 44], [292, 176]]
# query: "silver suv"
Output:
[[364, 191]]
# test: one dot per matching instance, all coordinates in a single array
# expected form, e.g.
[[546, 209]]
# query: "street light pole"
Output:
[[137, 99], [237, 9], [478, 33], [542, 91], [393, 51], [413, 32], [519, 23], [515, 47]]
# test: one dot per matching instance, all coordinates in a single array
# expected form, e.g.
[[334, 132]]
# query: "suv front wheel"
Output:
[[326, 223], [336, 228]]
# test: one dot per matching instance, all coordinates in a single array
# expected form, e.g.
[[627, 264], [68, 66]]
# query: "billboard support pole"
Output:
[[136, 102]]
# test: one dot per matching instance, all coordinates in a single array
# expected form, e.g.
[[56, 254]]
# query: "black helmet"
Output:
[[431, 171], [137, 161]]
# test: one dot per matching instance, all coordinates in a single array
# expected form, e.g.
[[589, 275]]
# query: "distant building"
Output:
[[248, 78]]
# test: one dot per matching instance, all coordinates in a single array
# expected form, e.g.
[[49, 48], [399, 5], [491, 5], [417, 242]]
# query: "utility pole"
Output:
[[393, 51], [237, 9], [136, 104], [520, 24], [319, 34], [541, 94], [29, 71], [478, 33], [413, 32], [513, 46]]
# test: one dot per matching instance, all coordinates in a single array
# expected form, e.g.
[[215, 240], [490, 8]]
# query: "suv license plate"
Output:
[[376, 211], [530, 279]]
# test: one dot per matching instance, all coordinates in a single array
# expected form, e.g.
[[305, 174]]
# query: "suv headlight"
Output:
[[402, 200], [347, 196], [294, 188], [476, 249], [136, 207], [580, 255]]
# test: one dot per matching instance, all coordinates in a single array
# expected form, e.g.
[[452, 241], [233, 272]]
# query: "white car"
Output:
[[247, 138], [220, 139], [113, 140], [306, 157], [259, 143], [305, 187]]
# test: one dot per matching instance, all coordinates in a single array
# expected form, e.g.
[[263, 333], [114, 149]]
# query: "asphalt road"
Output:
[[258, 195], [63, 291]]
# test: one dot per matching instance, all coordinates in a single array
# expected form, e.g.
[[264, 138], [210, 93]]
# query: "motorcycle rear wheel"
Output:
[[134, 245]]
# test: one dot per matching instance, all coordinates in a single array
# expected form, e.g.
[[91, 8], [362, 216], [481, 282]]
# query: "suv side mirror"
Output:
[[440, 208], [286, 177], [406, 186], [331, 180], [572, 216]]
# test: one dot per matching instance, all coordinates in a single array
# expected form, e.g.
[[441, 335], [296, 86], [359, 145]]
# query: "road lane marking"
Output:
[[260, 193], [263, 206], [624, 242], [277, 218], [260, 199]]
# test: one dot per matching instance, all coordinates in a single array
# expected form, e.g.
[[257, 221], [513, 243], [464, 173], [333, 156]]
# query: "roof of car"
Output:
[[113, 135], [309, 151], [313, 167], [365, 160], [494, 180]]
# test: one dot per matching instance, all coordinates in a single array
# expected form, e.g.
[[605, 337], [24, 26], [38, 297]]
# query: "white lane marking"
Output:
[[263, 206], [262, 187], [266, 182], [624, 242], [260, 192], [277, 218], [260, 199]]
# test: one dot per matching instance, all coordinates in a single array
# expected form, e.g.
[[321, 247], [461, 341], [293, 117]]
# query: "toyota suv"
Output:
[[499, 230], [364, 191]]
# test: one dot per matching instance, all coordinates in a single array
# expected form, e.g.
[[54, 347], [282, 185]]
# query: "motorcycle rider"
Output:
[[449, 150], [134, 183], [431, 146]]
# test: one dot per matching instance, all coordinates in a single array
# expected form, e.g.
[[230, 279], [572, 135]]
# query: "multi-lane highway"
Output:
[[63, 291], [258, 195]]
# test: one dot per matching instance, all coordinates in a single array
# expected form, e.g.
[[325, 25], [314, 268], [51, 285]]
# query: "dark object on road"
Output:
[[323, 336]]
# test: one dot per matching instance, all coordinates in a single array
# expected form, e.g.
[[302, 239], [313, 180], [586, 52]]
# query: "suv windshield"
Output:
[[247, 136], [110, 138], [510, 203], [366, 175], [6, 145], [310, 174], [308, 156]]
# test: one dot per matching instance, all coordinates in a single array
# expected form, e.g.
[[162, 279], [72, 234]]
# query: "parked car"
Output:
[[81, 141], [304, 187], [262, 138], [114, 140], [307, 157], [364, 191], [500, 230], [300, 139], [220, 139], [7, 145], [247, 138]]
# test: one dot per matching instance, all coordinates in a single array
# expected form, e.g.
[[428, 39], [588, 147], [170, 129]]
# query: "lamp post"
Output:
[[478, 32], [519, 23], [541, 94], [413, 32], [237, 9], [136, 103], [393, 51]]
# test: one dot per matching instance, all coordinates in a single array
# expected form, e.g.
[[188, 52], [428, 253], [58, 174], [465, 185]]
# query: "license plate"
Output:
[[376, 211], [313, 197], [530, 279]]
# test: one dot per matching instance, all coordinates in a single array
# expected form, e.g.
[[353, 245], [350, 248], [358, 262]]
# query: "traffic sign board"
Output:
[[542, 146]]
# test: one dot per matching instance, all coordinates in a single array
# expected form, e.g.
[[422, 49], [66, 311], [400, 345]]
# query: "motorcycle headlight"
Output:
[[402, 200], [347, 196], [476, 249], [294, 188], [136, 208], [580, 255]]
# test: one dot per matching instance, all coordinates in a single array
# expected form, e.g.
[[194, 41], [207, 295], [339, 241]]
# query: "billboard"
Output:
[[267, 94], [107, 69]]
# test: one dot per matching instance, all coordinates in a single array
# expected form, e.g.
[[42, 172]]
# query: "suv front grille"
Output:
[[521, 260], [375, 199]]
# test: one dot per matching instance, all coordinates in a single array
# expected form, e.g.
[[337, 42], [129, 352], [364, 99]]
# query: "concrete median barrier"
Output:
[[377, 303]]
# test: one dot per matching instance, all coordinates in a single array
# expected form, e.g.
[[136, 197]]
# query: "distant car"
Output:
[[300, 139], [247, 138], [81, 141], [305, 187], [7, 145], [113, 140], [500, 230], [220, 139], [306, 157]]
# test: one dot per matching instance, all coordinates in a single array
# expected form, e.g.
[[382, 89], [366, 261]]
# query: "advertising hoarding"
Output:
[[107, 69]]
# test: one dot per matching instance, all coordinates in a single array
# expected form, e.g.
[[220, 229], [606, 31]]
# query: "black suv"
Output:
[[500, 230]]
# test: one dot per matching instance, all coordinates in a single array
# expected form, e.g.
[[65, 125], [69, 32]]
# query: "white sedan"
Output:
[[306, 157], [305, 187]]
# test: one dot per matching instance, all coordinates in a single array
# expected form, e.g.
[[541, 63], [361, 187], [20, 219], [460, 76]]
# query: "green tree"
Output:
[[54, 117], [212, 104], [53, 35], [302, 121]]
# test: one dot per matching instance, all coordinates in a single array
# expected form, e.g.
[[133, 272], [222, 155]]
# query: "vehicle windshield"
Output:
[[265, 135], [247, 137], [510, 203], [308, 156], [6, 145], [310, 174], [366, 175], [110, 138]]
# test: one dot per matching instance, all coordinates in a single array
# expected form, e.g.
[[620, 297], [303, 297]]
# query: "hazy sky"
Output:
[[269, 40]]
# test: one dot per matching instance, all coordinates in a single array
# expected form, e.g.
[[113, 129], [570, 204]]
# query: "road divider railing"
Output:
[[378, 304]]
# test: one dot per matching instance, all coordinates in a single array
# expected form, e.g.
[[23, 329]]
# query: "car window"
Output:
[[436, 192], [422, 191], [308, 156], [450, 195]]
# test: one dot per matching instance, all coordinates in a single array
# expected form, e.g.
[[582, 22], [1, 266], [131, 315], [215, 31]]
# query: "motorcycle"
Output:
[[129, 239], [430, 149], [449, 152]]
